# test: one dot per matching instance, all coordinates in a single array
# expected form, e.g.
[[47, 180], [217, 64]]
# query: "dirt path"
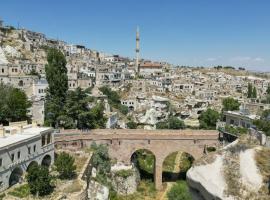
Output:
[[163, 195]]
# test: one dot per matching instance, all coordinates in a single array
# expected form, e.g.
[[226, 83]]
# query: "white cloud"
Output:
[[258, 59], [211, 59], [241, 58]]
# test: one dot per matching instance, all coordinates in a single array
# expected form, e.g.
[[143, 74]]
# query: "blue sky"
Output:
[[184, 32]]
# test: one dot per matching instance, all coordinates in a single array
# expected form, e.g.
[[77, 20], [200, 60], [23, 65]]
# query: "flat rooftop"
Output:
[[28, 133]]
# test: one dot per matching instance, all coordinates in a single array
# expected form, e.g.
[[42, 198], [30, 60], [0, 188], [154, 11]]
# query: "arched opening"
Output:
[[131, 108], [144, 161], [20, 83], [32, 164], [15, 176], [175, 166], [46, 161]]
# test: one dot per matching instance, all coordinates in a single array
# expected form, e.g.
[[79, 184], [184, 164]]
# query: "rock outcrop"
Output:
[[231, 173], [125, 179], [97, 191]]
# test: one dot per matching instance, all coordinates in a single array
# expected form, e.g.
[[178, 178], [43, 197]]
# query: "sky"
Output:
[[182, 32]]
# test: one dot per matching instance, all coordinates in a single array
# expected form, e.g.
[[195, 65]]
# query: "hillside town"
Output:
[[113, 119]]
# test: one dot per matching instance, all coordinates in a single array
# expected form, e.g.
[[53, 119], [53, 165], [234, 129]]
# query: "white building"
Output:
[[39, 88], [22, 146]]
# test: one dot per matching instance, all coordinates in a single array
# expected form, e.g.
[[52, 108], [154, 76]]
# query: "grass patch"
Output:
[[79, 162], [179, 191], [146, 161], [2, 196], [21, 191], [262, 158], [146, 190], [74, 187], [124, 173], [168, 164]]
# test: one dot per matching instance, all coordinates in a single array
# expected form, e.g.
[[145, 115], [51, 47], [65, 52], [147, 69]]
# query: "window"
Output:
[[12, 157], [49, 138], [43, 140], [3, 70], [1, 161], [34, 148], [29, 150], [18, 154]]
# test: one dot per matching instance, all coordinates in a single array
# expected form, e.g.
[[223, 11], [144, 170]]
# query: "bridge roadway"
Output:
[[122, 143]]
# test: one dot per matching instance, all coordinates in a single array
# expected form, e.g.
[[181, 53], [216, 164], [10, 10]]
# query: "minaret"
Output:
[[137, 50]]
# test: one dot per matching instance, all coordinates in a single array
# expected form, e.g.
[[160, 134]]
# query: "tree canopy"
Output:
[[263, 124], [13, 104], [64, 165], [39, 180], [230, 104], [208, 119], [179, 191], [171, 123], [114, 99], [56, 75], [101, 159]]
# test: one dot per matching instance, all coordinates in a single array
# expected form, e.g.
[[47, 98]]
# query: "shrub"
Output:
[[39, 180], [179, 192], [64, 165], [132, 125], [124, 173], [21, 192]]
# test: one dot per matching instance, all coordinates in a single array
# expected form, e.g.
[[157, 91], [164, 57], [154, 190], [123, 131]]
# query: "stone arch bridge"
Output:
[[122, 143]]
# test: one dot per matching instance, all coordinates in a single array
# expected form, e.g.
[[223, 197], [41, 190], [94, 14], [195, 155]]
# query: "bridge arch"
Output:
[[31, 164], [46, 161], [15, 176], [175, 166], [144, 158]]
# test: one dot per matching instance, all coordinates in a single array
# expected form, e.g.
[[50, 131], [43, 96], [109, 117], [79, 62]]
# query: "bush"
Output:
[[208, 119], [132, 125], [100, 159], [39, 180], [171, 123], [114, 99], [64, 165], [21, 192], [124, 173], [230, 104], [179, 192]]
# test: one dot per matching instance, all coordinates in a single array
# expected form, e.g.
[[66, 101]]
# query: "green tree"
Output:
[[64, 165], [39, 180], [13, 104], [132, 125], [162, 125], [93, 118], [249, 93], [114, 99], [56, 75], [101, 159], [208, 119], [254, 92], [263, 124], [179, 191], [230, 104], [175, 123], [268, 90], [171, 123]]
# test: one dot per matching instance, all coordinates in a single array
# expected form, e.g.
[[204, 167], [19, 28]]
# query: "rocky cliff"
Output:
[[238, 171]]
